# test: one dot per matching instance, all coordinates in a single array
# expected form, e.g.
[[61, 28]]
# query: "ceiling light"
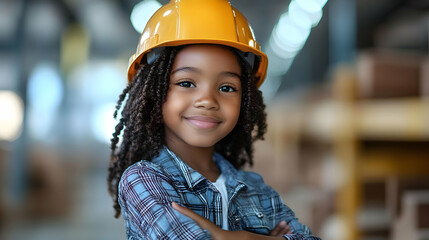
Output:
[[142, 12]]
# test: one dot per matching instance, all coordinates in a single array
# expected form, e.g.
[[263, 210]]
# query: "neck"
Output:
[[198, 158]]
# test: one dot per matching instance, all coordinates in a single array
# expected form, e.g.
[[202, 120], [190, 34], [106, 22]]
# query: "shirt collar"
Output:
[[191, 176], [227, 169], [180, 171]]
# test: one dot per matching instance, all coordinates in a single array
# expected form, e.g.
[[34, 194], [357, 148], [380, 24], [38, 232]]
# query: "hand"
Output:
[[216, 232], [280, 229], [219, 234]]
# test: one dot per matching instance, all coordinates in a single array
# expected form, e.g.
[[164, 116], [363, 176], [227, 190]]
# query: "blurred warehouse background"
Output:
[[347, 98]]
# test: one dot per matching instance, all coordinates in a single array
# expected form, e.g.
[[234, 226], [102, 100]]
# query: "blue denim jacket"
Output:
[[147, 189]]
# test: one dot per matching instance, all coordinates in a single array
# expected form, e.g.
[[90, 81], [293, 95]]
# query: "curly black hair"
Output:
[[142, 129]]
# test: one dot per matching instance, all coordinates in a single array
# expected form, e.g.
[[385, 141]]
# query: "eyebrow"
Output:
[[186, 69], [196, 70], [231, 74]]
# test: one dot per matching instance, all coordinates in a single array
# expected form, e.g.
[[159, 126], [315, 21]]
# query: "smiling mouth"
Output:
[[203, 122]]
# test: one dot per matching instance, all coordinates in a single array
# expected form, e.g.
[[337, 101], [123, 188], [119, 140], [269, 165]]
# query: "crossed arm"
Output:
[[145, 199], [220, 234]]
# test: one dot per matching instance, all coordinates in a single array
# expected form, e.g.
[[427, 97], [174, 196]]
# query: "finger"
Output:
[[185, 211], [286, 230], [204, 223], [280, 229], [289, 231], [275, 231]]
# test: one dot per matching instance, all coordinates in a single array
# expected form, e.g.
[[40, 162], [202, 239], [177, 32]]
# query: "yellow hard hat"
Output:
[[182, 22]]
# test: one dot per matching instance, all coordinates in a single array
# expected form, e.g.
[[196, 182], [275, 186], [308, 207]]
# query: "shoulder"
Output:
[[140, 168], [252, 177], [140, 174], [160, 166]]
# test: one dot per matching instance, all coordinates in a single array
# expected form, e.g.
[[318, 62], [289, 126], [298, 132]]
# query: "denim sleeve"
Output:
[[145, 197], [292, 221], [299, 236], [282, 212], [299, 230]]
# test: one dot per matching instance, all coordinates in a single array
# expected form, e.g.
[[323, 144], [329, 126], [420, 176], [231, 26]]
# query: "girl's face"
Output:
[[204, 96]]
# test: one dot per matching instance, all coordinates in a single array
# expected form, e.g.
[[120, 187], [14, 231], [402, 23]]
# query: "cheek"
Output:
[[234, 110], [169, 106], [173, 101]]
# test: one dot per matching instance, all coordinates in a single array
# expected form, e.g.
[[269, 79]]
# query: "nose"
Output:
[[206, 99]]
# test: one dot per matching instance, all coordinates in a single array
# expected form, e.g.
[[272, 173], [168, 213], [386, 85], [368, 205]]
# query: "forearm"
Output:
[[244, 235], [298, 236], [254, 236], [220, 234]]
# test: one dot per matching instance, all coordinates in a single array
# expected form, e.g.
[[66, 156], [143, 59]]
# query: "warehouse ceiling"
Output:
[[112, 34]]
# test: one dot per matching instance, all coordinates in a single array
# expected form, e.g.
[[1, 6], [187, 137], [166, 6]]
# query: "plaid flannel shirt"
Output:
[[146, 190]]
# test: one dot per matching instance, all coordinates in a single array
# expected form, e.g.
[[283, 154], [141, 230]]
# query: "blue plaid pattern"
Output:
[[299, 236], [147, 189]]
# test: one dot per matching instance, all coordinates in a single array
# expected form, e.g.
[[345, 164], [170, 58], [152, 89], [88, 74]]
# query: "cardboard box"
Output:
[[389, 75]]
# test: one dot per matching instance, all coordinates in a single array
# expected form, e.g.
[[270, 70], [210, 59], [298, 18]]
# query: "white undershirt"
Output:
[[221, 187]]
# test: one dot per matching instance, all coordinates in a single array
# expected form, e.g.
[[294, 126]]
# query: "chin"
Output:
[[202, 143]]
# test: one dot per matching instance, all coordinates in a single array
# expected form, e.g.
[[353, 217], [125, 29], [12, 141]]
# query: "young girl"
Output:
[[192, 111]]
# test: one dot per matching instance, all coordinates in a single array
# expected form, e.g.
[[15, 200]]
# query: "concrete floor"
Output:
[[91, 217]]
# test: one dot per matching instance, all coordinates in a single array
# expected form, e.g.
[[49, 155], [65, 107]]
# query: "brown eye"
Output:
[[186, 84], [227, 89]]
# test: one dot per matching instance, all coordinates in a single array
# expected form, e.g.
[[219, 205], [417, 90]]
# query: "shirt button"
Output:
[[237, 219], [259, 215]]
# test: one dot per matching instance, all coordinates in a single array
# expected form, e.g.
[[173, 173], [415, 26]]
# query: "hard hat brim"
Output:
[[136, 59]]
